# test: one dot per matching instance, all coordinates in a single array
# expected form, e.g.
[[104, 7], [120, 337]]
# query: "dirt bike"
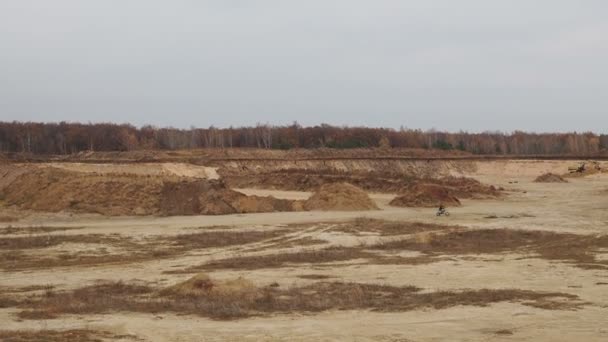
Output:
[[442, 212]]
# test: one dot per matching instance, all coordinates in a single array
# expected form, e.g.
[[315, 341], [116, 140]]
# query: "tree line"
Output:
[[66, 138]]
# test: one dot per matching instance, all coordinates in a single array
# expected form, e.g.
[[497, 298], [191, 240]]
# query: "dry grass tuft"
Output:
[[201, 285], [4, 218]]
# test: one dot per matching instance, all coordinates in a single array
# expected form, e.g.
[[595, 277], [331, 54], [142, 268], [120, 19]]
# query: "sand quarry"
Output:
[[246, 249]]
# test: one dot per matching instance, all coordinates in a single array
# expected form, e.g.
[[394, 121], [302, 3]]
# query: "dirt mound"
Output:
[[550, 178], [9, 172], [55, 190], [194, 197], [50, 189], [340, 196], [425, 195], [464, 187], [214, 198], [201, 285]]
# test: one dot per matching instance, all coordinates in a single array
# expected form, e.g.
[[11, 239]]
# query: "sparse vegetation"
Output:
[[42, 241], [33, 230], [314, 276], [221, 238], [572, 248], [240, 298], [362, 226], [577, 249], [134, 251], [331, 254], [75, 335]]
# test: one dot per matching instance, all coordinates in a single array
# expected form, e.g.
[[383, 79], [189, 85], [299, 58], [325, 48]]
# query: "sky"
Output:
[[473, 65]]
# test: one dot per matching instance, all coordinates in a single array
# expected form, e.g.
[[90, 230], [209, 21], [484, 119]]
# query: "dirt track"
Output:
[[578, 207]]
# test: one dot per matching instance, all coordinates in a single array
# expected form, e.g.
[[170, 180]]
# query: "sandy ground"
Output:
[[580, 207]]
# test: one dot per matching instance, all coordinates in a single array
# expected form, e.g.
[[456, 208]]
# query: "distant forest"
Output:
[[65, 138]]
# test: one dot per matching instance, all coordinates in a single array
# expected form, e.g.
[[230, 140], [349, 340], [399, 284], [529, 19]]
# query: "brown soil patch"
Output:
[[240, 298], [425, 195], [550, 178], [4, 218], [7, 301], [341, 196]]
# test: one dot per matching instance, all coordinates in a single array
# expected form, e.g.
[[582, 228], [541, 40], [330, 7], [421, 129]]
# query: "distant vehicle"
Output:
[[442, 211]]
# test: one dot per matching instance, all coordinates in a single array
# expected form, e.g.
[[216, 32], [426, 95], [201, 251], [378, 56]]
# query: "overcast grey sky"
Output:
[[534, 65]]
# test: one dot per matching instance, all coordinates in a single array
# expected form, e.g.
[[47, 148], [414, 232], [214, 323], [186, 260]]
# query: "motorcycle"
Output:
[[443, 212]]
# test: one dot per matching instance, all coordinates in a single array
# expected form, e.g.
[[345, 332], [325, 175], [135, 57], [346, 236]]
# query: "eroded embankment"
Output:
[[51, 189]]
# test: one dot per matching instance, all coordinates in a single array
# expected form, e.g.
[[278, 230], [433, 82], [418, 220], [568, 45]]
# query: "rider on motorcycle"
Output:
[[442, 211]]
